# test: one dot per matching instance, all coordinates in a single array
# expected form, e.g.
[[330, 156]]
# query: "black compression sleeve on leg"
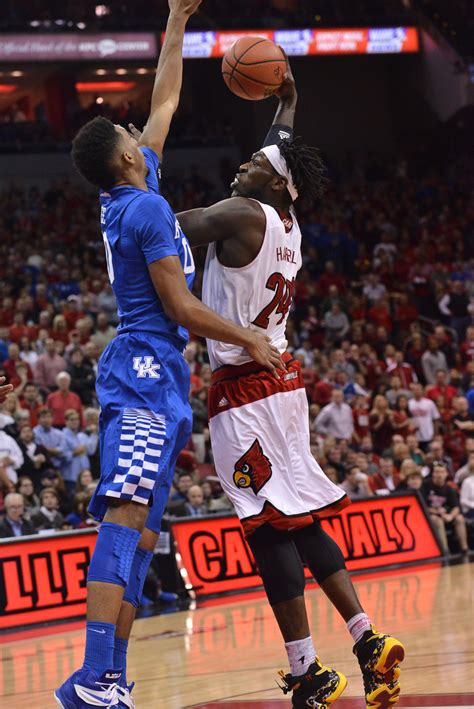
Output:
[[277, 133], [278, 562], [319, 552]]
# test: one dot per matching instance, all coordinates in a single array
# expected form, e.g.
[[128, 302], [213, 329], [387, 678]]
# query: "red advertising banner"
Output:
[[44, 578], [373, 533], [77, 46], [306, 42]]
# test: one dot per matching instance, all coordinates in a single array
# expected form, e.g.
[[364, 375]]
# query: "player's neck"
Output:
[[133, 180]]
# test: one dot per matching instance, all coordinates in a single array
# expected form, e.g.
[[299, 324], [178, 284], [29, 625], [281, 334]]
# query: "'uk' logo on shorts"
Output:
[[145, 367]]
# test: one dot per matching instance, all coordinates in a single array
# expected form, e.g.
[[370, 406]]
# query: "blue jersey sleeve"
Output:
[[156, 230], [152, 162]]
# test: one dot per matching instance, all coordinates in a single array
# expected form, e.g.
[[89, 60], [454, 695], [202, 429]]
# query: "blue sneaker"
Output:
[[85, 689], [125, 696]]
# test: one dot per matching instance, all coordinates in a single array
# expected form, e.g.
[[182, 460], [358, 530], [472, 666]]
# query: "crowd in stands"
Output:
[[382, 322], [143, 14]]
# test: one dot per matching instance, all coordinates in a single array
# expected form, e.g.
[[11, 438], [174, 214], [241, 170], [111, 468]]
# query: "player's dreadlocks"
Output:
[[92, 152], [307, 168]]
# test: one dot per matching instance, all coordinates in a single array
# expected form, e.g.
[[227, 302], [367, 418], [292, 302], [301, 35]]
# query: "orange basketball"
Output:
[[253, 68]]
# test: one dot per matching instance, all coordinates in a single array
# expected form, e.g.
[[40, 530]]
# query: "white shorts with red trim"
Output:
[[259, 430]]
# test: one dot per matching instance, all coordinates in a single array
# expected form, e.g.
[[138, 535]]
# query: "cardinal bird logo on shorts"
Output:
[[253, 469]]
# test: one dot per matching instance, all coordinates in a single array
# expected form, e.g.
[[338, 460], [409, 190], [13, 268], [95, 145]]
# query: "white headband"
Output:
[[278, 162]]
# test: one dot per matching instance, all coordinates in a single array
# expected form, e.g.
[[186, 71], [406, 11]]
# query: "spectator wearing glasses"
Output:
[[14, 524]]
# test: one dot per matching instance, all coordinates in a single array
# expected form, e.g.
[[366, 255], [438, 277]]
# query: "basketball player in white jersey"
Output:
[[259, 423]]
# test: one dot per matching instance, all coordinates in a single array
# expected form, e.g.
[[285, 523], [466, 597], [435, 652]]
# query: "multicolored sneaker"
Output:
[[379, 657], [85, 689], [319, 687]]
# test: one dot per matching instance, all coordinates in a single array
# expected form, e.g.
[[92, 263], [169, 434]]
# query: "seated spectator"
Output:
[[401, 420], [14, 524], [82, 377], [323, 389], [194, 505], [355, 484], [49, 516], [11, 457], [416, 454], [77, 446], [335, 419], [11, 366], [432, 361], [425, 416], [396, 390], [52, 439], [436, 448], [360, 414], [31, 500], [54, 479], [180, 488], [443, 505], [441, 387], [31, 402], [336, 324], [407, 468], [383, 482], [63, 399], [35, 457], [10, 415], [414, 480], [467, 495], [83, 480], [48, 366], [104, 332]]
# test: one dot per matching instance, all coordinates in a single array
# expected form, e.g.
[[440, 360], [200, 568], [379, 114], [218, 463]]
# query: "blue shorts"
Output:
[[145, 421]]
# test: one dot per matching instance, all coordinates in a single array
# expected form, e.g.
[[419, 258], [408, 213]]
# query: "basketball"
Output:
[[253, 68]]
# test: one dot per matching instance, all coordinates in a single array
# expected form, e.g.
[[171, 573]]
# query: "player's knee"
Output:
[[113, 554], [278, 563], [138, 572], [321, 553]]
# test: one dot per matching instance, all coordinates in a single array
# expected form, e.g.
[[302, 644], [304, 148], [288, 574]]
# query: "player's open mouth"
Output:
[[235, 181]]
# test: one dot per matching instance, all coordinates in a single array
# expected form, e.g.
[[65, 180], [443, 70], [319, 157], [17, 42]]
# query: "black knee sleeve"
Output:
[[278, 562], [318, 551]]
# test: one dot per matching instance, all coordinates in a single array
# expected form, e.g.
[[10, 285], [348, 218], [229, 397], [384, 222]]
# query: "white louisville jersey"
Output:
[[258, 295]]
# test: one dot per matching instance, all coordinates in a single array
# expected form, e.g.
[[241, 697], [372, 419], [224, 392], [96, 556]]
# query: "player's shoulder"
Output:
[[242, 208], [149, 204]]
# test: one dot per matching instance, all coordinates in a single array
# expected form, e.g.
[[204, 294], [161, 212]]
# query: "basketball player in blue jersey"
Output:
[[143, 379]]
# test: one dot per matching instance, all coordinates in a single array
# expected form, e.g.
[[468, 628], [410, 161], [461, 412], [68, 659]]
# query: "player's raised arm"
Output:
[[282, 126], [169, 76]]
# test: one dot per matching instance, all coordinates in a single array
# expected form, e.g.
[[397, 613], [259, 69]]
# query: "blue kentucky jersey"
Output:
[[138, 228]]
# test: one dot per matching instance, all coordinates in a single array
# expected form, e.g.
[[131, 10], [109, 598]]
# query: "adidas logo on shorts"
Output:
[[223, 402]]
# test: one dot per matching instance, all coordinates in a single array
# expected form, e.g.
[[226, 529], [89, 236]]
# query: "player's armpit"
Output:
[[234, 218]]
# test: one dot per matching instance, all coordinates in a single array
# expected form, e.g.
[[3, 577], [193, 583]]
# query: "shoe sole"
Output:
[[58, 700]]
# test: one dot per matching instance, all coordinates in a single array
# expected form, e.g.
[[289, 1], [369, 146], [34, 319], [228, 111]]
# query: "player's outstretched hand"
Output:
[[185, 7], [262, 351], [4, 390], [287, 90]]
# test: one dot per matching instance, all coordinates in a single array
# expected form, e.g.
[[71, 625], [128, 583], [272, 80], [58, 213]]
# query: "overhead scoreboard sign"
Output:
[[374, 533], [310, 42]]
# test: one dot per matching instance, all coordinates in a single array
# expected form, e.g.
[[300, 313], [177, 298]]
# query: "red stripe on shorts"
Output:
[[234, 386], [287, 523]]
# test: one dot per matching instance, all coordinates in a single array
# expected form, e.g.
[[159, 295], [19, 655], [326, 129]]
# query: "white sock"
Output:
[[301, 654], [358, 625]]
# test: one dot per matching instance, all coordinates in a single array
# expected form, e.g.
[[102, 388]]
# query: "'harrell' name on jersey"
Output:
[[258, 295]]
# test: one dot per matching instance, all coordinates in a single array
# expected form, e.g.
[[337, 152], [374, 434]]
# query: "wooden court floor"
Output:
[[226, 654]]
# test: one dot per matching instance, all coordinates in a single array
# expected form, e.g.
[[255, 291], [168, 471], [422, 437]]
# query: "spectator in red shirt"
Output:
[[467, 347], [322, 391], [403, 370], [60, 329], [72, 312], [360, 413], [442, 388], [19, 329], [405, 313], [63, 399], [331, 278], [31, 402], [379, 314], [10, 366], [383, 482]]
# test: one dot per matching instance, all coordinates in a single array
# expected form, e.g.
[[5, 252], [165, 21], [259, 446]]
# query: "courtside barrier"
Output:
[[43, 578]]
